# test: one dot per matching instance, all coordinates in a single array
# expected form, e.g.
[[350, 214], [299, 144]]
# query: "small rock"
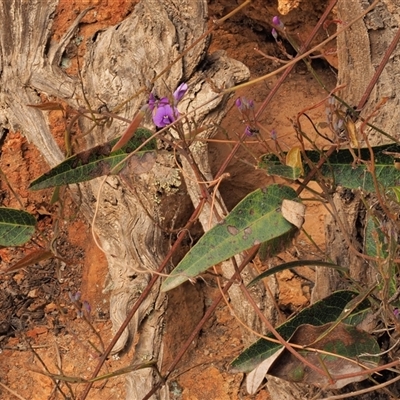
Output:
[[50, 308], [18, 278], [33, 293]]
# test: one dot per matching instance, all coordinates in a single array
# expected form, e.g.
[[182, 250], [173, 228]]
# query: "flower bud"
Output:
[[238, 103], [180, 92], [277, 22], [248, 131]]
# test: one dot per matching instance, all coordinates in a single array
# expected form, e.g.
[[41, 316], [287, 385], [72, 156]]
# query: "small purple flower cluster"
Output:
[[164, 113], [246, 108], [81, 307], [244, 105], [74, 297]]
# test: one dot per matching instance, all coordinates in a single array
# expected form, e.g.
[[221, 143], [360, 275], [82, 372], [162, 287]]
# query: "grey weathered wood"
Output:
[[360, 51], [119, 62]]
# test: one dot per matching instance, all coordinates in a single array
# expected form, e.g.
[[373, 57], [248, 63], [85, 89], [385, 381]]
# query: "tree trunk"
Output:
[[119, 62], [360, 51]]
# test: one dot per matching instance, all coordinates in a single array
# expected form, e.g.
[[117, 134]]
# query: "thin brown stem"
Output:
[[282, 341], [379, 70], [252, 252], [303, 48]]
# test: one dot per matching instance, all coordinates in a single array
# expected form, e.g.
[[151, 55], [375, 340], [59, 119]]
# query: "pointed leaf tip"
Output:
[[256, 219], [92, 163]]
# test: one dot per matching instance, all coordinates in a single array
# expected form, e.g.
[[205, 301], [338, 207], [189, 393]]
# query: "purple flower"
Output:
[[74, 297], [243, 104], [163, 102], [180, 92], [277, 22], [274, 33], [165, 115], [86, 307], [274, 135], [249, 131], [154, 103]]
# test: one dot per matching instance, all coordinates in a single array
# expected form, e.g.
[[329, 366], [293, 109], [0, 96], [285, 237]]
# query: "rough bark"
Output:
[[120, 61], [343, 233], [360, 50]]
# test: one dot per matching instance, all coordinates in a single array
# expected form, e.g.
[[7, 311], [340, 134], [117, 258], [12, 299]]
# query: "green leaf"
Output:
[[16, 226], [293, 264], [375, 243], [341, 169], [271, 164], [345, 341], [357, 317], [396, 191], [93, 162], [256, 219], [320, 313]]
